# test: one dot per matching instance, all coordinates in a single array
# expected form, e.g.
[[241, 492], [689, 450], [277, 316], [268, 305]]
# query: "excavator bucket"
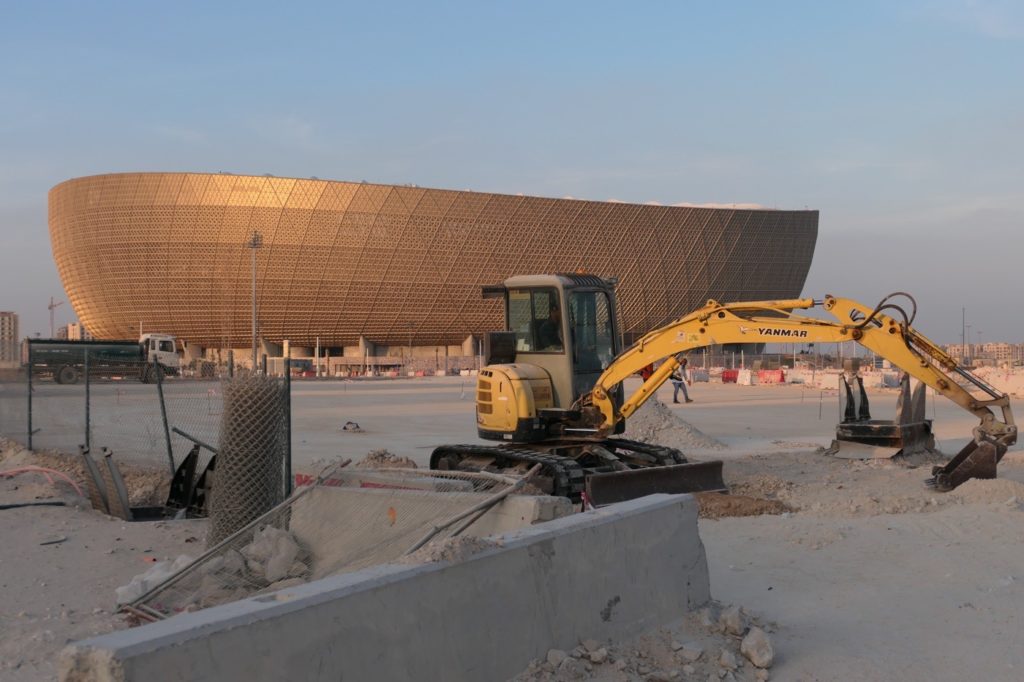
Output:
[[619, 486], [859, 436], [976, 460]]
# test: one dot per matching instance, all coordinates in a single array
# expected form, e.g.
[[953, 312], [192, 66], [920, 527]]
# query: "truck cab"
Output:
[[161, 348]]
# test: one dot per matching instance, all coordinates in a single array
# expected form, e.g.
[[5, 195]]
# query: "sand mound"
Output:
[[993, 490], [655, 423], [382, 459]]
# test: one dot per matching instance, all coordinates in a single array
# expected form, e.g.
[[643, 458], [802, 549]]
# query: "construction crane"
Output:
[[53, 306]]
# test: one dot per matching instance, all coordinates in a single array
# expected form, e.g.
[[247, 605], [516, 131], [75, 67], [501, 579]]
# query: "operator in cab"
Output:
[[549, 331]]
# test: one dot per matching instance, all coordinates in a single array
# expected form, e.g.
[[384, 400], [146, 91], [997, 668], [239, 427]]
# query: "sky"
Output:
[[902, 122]]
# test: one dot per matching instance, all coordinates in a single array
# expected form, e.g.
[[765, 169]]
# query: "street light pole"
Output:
[[967, 348], [254, 243], [963, 333]]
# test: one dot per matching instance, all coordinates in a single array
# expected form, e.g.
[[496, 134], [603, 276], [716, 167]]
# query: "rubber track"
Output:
[[666, 456], [568, 479]]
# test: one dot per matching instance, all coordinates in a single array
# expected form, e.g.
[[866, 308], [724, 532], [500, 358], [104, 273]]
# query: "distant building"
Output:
[[9, 339], [992, 353], [74, 332]]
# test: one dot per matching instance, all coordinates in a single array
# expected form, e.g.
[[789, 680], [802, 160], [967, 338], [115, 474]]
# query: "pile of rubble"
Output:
[[712, 644]]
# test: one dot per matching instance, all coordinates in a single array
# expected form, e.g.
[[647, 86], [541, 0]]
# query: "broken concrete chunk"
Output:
[[591, 644], [556, 656], [731, 621], [599, 656], [757, 647], [727, 660], [761, 674], [572, 668], [691, 651]]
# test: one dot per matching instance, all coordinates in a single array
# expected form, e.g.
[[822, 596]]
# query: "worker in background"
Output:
[[647, 371], [680, 380]]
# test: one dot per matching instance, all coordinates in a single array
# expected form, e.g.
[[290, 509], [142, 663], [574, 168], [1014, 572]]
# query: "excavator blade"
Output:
[[618, 486], [976, 460]]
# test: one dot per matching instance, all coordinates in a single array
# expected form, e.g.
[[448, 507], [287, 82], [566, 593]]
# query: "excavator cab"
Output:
[[561, 334]]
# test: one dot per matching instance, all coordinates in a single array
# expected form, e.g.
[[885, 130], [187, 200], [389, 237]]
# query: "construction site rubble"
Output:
[[715, 643], [451, 550], [144, 582], [382, 459]]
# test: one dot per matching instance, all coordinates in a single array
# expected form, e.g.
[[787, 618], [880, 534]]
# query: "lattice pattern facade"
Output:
[[394, 264]]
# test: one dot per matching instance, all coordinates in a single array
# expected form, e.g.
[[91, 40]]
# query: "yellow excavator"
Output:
[[551, 389]]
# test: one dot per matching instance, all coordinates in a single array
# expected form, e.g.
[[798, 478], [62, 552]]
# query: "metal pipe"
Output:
[[195, 440], [288, 424], [119, 487], [163, 412], [483, 505], [29, 395], [85, 363]]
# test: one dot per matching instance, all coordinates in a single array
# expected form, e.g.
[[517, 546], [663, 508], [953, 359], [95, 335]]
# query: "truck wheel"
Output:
[[67, 375]]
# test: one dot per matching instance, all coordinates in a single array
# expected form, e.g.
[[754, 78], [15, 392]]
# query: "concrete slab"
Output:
[[484, 618]]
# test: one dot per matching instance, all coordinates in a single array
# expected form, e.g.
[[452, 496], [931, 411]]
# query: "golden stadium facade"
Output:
[[393, 264]]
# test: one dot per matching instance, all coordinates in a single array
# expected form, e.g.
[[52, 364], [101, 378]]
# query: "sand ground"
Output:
[[867, 574]]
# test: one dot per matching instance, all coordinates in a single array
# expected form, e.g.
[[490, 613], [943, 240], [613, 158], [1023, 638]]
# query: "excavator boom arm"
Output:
[[773, 322]]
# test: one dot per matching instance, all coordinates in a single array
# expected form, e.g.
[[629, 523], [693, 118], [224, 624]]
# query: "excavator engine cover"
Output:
[[509, 399]]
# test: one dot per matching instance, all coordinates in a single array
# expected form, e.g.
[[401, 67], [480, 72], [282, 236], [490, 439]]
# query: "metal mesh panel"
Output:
[[397, 265], [347, 520], [250, 460], [14, 405]]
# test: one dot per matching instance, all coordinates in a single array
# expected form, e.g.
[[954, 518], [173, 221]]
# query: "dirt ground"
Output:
[[60, 565], [854, 568]]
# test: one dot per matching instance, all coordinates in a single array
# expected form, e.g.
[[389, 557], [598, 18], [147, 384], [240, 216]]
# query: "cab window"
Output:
[[535, 317], [591, 324]]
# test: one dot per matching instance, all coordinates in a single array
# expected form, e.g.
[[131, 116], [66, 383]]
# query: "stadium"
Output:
[[352, 264]]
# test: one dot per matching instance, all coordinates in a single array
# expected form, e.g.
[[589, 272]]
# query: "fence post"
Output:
[[163, 412], [231, 364], [263, 365], [85, 371], [288, 426], [29, 395]]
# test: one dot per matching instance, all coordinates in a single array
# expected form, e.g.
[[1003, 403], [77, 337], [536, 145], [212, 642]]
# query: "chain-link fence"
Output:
[[347, 520], [151, 417], [14, 392], [252, 451]]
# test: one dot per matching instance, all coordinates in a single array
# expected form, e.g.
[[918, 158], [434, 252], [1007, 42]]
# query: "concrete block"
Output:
[[609, 573]]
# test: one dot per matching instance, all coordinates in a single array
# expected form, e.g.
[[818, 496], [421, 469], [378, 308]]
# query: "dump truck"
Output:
[[552, 392], [64, 361]]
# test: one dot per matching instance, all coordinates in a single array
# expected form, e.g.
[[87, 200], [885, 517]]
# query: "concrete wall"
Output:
[[610, 573]]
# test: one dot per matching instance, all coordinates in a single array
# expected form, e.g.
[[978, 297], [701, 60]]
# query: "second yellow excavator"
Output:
[[551, 390]]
